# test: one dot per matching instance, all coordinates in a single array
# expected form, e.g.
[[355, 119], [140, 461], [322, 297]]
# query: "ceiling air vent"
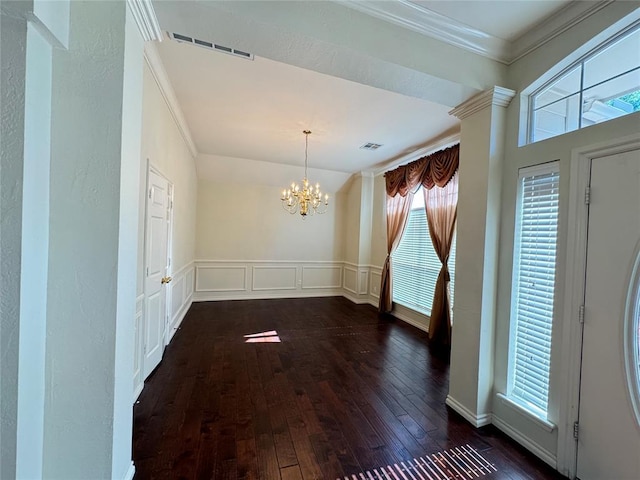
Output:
[[210, 45], [371, 146]]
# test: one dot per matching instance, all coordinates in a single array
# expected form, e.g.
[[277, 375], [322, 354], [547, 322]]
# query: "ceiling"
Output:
[[256, 109], [502, 19]]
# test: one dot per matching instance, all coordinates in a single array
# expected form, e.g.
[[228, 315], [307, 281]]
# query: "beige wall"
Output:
[[379, 223], [165, 148], [248, 223], [352, 221]]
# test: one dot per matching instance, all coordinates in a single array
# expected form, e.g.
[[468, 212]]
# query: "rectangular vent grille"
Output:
[[455, 464], [210, 45], [371, 146]]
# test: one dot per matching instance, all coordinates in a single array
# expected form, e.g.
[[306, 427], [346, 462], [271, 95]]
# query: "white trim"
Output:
[[146, 20], [546, 425], [526, 442], [417, 18], [207, 297], [428, 149], [138, 391], [475, 420], [411, 317], [320, 267], [273, 267], [357, 300], [575, 268], [275, 262], [550, 28], [631, 357], [159, 73], [498, 96], [131, 471], [215, 267], [344, 279]]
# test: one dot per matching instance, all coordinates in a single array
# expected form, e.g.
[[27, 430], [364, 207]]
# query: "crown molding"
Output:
[[419, 19], [498, 96], [164, 84], [145, 17], [550, 28]]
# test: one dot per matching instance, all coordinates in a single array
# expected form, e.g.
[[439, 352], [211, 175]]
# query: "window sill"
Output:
[[541, 422]]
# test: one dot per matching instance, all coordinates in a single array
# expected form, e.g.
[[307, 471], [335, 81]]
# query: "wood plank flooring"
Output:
[[344, 392]]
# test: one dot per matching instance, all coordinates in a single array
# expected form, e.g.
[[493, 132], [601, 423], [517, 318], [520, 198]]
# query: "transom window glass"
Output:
[[603, 85], [415, 263], [534, 267]]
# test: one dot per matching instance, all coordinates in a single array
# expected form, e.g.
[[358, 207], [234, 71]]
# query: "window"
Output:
[[603, 85], [534, 267], [632, 334], [415, 263]]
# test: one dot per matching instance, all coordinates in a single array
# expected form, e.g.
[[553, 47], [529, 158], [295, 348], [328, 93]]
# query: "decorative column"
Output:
[[482, 135]]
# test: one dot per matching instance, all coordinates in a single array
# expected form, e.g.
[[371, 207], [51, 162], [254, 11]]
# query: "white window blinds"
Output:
[[533, 286], [415, 263]]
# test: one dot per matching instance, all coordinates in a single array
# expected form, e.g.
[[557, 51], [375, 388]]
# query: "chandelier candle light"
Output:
[[306, 200]]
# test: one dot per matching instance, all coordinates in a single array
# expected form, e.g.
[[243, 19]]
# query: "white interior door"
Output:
[[609, 434], [156, 269]]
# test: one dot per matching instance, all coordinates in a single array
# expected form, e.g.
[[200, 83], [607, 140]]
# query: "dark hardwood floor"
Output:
[[344, 392]]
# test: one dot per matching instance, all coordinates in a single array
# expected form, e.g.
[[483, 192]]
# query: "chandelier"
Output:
[[306, 199]]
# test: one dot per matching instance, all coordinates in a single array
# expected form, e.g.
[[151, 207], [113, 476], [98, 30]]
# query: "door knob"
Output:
[[165, 280]]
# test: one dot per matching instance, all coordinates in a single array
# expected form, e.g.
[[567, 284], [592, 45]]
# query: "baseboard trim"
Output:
[[180, 317], [130, 472], [208, 297], [356, 300], [137, 392], [411, 321], [475, 420], [526, 442]]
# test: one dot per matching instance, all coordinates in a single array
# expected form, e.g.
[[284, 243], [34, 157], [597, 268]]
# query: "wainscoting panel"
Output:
[[281, 277], [181, 297], [363, 281], [138, 347], [375, 277], [237, 279], [321, 276], [350, 279], [221, 278]]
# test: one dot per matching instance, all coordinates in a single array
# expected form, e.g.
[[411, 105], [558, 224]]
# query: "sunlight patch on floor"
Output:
[[263, 337]]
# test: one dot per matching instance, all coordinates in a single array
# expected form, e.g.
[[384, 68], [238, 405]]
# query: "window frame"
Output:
[[531, 97], [632, 337], [511, 396]]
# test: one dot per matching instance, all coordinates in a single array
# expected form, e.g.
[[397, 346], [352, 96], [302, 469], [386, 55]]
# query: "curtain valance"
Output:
[[435, 169]]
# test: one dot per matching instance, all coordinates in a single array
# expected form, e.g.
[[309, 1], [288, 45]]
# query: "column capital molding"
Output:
[[498, 96], [145, 17]]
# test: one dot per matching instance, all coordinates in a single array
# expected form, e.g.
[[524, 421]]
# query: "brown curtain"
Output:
[[435, 169], [433, 172], [441, 205], [398, 209]]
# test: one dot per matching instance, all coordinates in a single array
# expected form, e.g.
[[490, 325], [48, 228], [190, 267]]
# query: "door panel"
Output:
[[157, 234], [609, 436]]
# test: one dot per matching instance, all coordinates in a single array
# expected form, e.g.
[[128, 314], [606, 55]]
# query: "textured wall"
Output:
[[13, 36], [83, 262]]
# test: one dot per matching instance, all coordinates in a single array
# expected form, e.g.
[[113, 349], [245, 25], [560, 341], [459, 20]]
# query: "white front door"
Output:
[[156, 269], [609, 434]]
